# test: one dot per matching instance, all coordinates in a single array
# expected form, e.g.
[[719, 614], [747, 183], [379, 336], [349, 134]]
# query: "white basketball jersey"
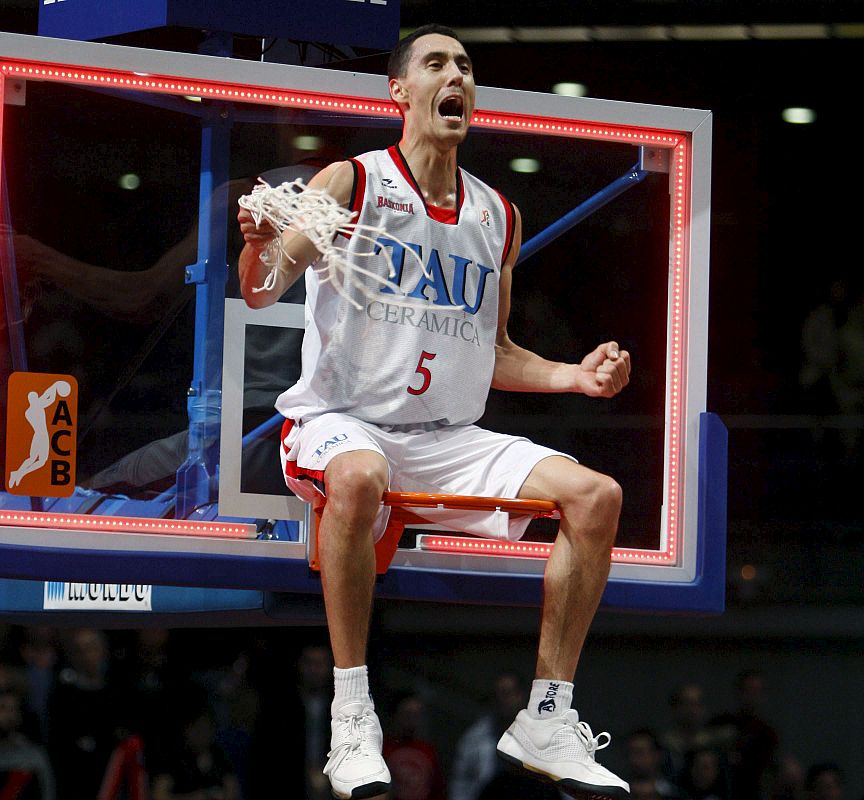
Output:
[[422, 361]]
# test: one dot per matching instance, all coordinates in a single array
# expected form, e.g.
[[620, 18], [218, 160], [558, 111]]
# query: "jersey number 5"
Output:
[[424, 371]]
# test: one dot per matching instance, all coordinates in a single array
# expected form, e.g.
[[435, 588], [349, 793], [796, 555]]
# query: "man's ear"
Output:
[[397, 91]]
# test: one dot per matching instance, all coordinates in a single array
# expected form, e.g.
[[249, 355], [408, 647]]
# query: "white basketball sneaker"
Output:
[[562, 749], [355, 766]]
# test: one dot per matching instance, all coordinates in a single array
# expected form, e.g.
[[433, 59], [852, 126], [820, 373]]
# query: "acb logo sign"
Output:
[[41, 434]]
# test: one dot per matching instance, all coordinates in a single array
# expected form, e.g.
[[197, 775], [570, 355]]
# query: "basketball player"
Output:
[[389, 394]]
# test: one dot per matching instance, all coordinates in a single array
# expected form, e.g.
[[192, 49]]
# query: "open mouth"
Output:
[[451, 108]]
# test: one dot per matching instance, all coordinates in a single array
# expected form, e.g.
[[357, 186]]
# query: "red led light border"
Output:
[[319, 101], [216, 90], [677, 339], [90, 522], [464, 545]]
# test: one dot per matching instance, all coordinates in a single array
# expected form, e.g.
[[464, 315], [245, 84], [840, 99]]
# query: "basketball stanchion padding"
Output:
[[401, 514]]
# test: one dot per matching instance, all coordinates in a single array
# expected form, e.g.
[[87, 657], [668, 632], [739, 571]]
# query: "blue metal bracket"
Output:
[[620, 185], [197, 272], [197, 477]]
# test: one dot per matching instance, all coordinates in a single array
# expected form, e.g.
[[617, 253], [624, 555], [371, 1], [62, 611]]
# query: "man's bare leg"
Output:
[[578, 568], [548, 737], [355, 482]]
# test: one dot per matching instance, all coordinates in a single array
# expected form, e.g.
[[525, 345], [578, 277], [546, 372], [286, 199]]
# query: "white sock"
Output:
[[350, 686], [549, 698]]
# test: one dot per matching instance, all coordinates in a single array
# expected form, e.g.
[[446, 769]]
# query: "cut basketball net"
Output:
[[316, 215]]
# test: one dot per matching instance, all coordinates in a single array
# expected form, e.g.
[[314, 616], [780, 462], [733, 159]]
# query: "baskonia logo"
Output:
[[41, 434]]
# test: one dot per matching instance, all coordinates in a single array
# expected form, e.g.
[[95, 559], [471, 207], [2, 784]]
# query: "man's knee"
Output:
[[356, 480], [603, 493], [588, 495]]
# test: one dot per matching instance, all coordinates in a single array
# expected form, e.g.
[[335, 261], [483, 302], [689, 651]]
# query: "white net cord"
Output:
[[316, 215]]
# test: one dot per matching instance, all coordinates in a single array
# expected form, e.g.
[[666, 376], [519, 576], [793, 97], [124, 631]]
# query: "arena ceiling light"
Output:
[[570, 89], [798, 115], [526, 165]]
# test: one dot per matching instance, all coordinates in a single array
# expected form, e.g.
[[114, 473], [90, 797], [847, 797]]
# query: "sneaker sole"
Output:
[[571, 787], [365, 792]]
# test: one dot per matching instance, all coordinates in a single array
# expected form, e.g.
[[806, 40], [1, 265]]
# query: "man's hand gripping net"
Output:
[[313, 213]]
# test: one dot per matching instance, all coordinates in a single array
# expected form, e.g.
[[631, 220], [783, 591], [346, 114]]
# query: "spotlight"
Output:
[[525, 165]]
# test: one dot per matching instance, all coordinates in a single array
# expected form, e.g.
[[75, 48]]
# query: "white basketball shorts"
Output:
[[461, 459]]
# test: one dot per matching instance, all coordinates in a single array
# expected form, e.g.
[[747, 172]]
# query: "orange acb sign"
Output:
[[41, 434]]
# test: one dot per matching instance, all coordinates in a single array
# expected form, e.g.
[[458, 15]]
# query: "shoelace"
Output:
[[583, 729], [355, 743]]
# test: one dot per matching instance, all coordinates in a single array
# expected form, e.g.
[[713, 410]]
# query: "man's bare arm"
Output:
[[298, 252]]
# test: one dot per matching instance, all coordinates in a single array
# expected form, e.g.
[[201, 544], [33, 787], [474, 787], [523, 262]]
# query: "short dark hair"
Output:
[[401, 54]]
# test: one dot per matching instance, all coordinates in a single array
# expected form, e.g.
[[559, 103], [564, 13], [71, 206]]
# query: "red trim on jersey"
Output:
[[358, 191], [446, 215], [449, 216], [510, 222], [316, 476]]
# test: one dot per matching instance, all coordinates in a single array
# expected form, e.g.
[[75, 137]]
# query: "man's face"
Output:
[[642, 757], [436, 93], [690, 709]]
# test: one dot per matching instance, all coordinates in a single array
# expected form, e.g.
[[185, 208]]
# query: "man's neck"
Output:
[[434, 170]]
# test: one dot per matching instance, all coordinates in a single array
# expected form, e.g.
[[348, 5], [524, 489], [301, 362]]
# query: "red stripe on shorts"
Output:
[[316, 476]]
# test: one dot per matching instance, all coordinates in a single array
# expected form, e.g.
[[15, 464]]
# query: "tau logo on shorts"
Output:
[[41, 433], [333, 441]]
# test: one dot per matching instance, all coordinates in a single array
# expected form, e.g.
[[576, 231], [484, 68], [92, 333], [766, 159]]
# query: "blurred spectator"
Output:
[[415, 767], [705, 777], [476, 761], [87, 716], [820, 349], [39, 652], [748, 741], [198, 769], [832, 371], [686, 731], [149, 671], [234, 701], [644, 763], [825, 781], [13, 678], [25, 771], [292, 734], [151, 684], [850, 376], [787, 783], [643, 789]]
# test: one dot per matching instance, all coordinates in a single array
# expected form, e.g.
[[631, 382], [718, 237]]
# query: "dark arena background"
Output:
[[782, 657]]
